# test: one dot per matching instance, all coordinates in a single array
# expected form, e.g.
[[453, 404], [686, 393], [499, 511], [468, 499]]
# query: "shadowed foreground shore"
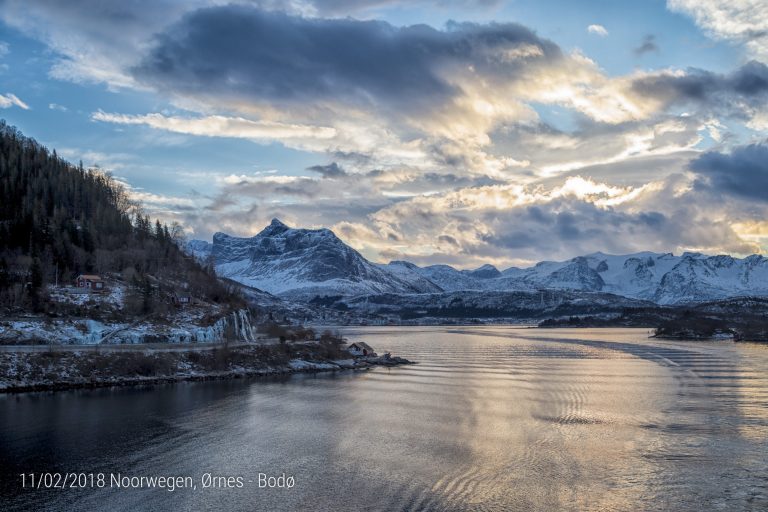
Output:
[[88, 368]]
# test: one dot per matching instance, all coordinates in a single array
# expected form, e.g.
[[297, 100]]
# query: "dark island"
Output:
[[739, 318]]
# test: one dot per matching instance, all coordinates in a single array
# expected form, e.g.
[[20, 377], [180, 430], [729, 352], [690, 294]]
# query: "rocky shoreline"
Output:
[[22, 372]]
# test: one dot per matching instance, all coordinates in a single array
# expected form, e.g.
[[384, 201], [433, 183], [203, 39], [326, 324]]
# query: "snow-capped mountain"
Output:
[[669, 279], [200, 249], [661, 278], [303, 264]]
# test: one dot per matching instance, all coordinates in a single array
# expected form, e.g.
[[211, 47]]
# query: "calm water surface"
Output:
[[493, 418]]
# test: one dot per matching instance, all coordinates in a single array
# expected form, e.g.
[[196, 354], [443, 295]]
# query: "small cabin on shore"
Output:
[[181, 299], [360, 348], [90, 282]]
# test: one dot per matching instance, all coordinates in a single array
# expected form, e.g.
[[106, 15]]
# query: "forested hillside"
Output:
[[58, 220]]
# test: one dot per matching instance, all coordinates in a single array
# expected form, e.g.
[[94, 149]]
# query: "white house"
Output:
[[360, 348], [181, 299]]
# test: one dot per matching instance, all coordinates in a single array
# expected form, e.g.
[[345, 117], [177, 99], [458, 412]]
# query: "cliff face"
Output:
[[232, 326], [236, 326]]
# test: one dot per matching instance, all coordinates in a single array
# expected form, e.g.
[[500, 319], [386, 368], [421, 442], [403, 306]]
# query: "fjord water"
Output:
[[492, 418]]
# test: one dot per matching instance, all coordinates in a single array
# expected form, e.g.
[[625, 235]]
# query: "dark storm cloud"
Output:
[[354, 157], [448, 240], [96, 18], [743, 172], [647, 46], [342, 6], [745, 88], [571, 226], [244, 53], [652, 219], [332, 170]]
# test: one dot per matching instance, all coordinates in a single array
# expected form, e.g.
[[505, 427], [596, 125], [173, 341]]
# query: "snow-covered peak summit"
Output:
[[486, 271], [302, 262], [275, 227]]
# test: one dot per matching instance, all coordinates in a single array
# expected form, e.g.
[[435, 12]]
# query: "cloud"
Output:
[[221, 126], [106, 161], [271, 57], [652, 146], [56, 106], [4, 49], [503, 224], [738, 21], [470, 223], [161, 203], [414, 96], [742, 172], [93, 41], [243, 204], [349, 6], [9, 100], [298, 198], [500, 223], [434, 143], [598, 30], [647, 46], [332, 170], [741, 93]]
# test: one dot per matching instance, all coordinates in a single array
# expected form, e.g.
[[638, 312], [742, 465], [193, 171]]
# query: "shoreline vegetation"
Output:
[[61, 368], [740, 319]]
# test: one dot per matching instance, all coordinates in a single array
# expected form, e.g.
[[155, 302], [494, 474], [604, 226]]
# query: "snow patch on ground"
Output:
[[113, 295], [299, 364], [185, 329]]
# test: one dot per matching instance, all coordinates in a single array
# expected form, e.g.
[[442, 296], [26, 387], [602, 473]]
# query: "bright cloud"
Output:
[[221, 126], [598, 30], [739, 21], [9, 100]]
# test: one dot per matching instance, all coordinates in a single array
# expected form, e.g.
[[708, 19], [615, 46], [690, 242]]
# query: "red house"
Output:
[[90, 281]]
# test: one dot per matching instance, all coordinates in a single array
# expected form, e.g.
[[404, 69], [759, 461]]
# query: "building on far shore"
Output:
[[89, 281], [360, 348]]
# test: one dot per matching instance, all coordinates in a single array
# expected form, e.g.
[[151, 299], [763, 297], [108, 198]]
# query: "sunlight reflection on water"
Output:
[[492, 418]]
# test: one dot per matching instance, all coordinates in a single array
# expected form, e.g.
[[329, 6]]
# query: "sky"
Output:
[[459, 132]]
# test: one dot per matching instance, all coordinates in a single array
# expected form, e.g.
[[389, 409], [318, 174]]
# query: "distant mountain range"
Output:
[[305, 265]]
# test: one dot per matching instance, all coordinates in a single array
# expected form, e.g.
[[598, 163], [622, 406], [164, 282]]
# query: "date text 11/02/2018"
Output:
[[169, 483]]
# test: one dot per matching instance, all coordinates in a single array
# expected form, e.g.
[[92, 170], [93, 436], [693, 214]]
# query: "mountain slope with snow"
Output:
[[302, 264]]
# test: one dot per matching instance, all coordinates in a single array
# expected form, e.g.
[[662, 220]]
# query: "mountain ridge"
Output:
[[301, 263], [304, 263]]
